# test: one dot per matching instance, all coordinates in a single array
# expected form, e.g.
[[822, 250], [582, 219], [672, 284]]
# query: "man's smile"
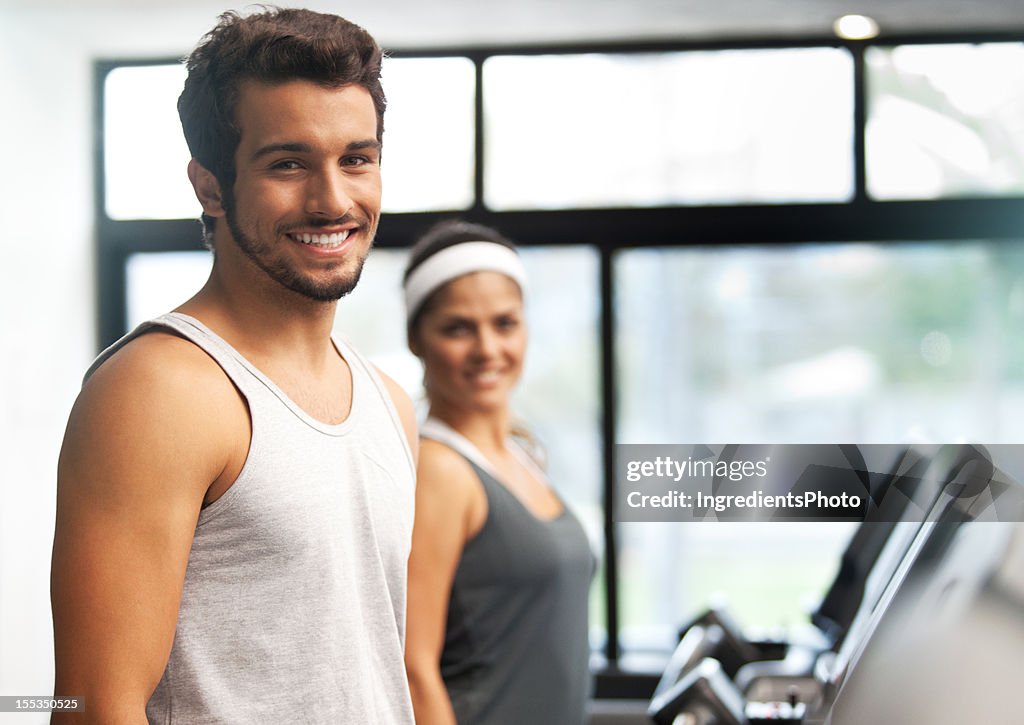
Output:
[[327, 241]]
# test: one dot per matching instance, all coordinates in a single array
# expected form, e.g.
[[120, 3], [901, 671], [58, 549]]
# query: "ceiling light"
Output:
[[855, 27]]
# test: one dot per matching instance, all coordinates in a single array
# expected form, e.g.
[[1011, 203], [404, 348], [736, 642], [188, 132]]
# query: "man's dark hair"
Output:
[[274, 45]]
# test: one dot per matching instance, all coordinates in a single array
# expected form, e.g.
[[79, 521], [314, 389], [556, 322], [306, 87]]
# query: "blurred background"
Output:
[[739, 228]]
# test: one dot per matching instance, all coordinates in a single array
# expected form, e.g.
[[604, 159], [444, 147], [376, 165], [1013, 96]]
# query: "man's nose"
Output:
[[328, 195]]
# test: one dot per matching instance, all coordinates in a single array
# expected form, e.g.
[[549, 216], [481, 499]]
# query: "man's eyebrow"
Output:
[[288, 146], [371, 143], [296, 147]]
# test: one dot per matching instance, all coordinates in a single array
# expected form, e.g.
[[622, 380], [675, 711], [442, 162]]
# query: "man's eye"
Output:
[[507, 323], [354, 161], [285, 165]]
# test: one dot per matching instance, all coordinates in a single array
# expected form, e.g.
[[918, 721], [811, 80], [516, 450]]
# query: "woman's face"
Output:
[[472, 338]]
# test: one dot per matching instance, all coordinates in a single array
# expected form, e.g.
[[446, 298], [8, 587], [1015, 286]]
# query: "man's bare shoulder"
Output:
[[163, 398], [160, 357]]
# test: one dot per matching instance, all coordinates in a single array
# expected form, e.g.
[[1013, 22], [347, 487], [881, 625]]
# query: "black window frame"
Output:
[[861, 219]]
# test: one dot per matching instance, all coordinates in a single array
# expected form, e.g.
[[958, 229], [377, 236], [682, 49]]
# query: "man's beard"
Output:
[[279, 270]]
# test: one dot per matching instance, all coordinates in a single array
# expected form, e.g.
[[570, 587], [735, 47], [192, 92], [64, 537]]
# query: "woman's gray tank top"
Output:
[[516, 648], [293, 607]]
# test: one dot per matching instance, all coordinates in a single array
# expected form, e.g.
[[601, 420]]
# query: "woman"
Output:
[[500, 569]]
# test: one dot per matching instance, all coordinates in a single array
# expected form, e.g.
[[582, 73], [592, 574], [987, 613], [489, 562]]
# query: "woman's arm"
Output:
[[451, 507]]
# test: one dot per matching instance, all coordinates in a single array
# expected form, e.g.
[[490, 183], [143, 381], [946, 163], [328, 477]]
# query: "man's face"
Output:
[[306, 200]]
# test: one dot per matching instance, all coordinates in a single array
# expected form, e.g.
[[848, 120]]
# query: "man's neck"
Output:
[[266, 322]]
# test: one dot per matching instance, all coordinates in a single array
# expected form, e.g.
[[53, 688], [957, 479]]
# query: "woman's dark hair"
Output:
[[442, 235], [446, 234], [273, 46]]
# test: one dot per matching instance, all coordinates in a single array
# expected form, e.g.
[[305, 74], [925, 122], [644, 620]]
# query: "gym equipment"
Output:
[[796, 654], [957, 483]]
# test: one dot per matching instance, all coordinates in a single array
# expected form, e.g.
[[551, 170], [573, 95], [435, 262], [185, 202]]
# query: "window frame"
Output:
[[860, 219]]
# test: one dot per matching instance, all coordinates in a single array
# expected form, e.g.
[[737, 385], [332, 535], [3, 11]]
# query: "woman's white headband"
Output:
[[455, 261]]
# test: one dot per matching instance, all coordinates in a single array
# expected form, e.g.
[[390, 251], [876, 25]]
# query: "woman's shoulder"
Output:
[[447, 488], [441, 466]]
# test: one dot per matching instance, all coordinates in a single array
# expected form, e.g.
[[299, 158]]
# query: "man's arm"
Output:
[[406, 412], [150, 433]]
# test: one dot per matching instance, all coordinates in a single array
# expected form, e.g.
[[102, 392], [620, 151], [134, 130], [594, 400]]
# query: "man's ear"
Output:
[[207, 189]]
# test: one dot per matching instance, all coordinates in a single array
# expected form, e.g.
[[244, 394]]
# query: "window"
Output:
[[427, 166], [428, 134], [145, 154], [946, 120], [867, 343], [715, 127]]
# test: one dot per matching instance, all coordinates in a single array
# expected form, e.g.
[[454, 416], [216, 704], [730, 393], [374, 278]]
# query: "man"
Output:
[[234, 504]]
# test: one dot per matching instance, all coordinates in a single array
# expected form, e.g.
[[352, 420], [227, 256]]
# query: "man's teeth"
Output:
[[322, 240], [486, 377]]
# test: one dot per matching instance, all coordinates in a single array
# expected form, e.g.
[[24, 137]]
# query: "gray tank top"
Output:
[[293, 607], [516, 648]]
